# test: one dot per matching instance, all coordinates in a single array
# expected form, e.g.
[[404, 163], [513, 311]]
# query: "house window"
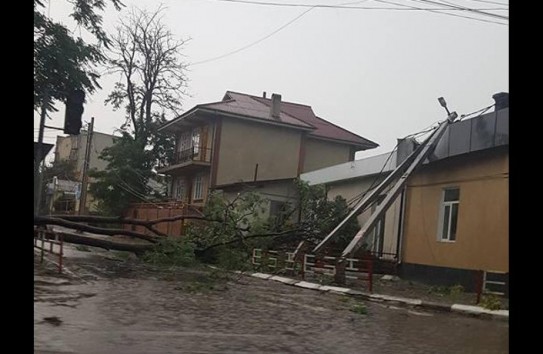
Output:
[[180, 189], [449, 215], [277, 211], [197, 188]]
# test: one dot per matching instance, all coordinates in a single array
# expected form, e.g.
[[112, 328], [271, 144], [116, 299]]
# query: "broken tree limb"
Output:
[[44, 220], [148, 224], [273, 234], [105, 244], [124, 220]]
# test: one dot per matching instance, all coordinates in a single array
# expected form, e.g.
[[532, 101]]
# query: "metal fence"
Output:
[[305, 265], [47, 241]]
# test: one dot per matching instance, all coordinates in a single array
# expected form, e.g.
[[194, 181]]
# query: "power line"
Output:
[[490, 2], [357, 198], [477, 11], [480, 111], [339, 6], [444, 13], [255, 42]]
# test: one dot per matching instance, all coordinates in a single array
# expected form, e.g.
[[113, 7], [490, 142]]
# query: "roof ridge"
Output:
[[266, 98], [282, 112]]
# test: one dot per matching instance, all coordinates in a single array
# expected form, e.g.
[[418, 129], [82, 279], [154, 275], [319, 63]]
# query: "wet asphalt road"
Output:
[[153, 315]]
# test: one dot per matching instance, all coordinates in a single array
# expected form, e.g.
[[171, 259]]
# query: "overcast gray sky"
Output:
[[377, 73]]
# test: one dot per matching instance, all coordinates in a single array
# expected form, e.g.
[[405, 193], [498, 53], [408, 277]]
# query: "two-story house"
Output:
[[247, 140]]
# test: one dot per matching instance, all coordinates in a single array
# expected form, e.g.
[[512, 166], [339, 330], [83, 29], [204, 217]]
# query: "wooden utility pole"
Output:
[[85, 179], [38, 158]]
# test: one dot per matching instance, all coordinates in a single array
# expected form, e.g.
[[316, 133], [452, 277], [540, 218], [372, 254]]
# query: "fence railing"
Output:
[[45, 241], [492, 283], [198, 154], [308, 264]]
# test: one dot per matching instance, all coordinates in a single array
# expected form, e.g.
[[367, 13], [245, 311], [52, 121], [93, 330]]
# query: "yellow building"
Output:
[[454, 219], [457, 206]]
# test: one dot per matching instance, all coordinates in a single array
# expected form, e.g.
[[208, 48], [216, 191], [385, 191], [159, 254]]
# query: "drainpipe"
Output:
[[400, 224]]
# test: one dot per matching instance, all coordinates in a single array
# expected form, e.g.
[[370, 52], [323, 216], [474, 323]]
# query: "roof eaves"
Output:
[[366, 146], [180, 117], [367, 141]]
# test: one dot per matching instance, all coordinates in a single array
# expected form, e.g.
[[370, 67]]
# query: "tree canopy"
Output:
[[62, 61]]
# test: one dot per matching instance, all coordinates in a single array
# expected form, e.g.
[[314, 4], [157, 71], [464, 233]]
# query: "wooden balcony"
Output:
[[188, 160]]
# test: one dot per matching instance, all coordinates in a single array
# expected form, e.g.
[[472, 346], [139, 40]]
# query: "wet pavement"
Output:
[[119, 310]]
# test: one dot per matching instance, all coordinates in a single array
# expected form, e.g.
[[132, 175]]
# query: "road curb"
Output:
[[434, 306]]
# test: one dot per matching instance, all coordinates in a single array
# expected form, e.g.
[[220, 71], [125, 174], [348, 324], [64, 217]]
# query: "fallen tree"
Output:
[[73, 237]]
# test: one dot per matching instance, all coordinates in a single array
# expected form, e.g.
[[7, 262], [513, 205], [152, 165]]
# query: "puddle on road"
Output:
[[150, 316]]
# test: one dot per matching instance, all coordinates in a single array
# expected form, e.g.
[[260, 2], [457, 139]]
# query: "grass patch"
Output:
[[360, 309], [490, 302], [83, 248], [452, 291]]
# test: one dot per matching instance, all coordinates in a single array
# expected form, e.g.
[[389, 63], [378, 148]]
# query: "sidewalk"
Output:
[[443, 306]]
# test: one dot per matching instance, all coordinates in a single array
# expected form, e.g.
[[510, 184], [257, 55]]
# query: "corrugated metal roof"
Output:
[[353, 169], [461, 137], [479, 133]]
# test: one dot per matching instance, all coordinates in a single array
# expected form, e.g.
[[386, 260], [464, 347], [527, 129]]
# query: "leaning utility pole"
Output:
[[85, 179], [396, 180], [38, 158]]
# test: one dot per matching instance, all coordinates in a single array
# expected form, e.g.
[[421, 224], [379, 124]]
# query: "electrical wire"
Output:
[[343, 6], [490, 2], [359, 197], [253, 43], [443, 13], [480, 111], [477, 11]]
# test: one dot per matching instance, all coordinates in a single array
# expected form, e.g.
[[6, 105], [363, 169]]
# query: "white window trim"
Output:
[[197, 193], [443, 205]]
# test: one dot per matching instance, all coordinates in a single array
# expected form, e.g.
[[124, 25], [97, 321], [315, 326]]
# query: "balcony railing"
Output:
[[196, 154]]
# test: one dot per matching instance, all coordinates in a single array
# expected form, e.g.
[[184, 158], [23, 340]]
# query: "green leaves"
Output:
[[126, 177], [63, 62]]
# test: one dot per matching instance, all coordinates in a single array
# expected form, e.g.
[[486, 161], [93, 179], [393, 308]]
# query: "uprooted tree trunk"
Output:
[[77, 222]]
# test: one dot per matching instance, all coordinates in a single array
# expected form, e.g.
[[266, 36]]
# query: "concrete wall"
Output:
[[320, 154], [482, 239], [73, 147], [276, 191], [245, 144], [349, 189]]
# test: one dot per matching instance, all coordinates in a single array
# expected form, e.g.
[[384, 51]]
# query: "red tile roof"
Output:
[[293, 114], [304, 113]]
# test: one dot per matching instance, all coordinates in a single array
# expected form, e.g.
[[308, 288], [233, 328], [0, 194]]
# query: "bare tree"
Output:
[[148, 58]]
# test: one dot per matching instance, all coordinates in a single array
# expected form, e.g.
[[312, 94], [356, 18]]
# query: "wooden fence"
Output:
[[152, 211]]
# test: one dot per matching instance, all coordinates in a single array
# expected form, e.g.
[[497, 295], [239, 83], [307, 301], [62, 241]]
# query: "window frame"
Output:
[[444, 205], [195, 140], [198, 188]]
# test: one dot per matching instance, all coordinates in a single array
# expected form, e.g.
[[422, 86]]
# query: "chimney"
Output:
[[275, 109], [502, 100], [264, 94]]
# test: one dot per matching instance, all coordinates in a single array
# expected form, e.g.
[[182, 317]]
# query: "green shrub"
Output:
[[490, 302], [171, 252], [360, 309]]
